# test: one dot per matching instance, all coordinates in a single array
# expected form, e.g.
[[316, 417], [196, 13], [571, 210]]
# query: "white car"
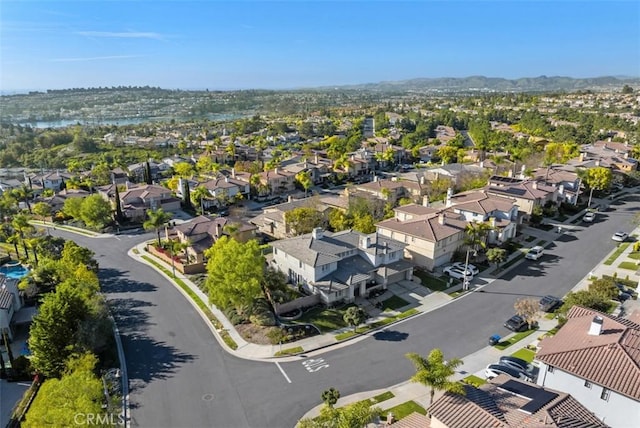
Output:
[[535, 253], [589, 217], [471, 268], [620, 236], [457, 273]]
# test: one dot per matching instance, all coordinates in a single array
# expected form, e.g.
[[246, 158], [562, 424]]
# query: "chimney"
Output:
[[218, 229], [375, 178], [289, 198], [597, 162], [422, 180], [276, 171], [449, 195], [365, 242], [425, 201], [233, 173], [316, 159], [561, 189], [492, 222], [317, 233], [581, 156], [534, 185], [596, 326], [510, 174], [226, 179], [481, 164], [441, 218]]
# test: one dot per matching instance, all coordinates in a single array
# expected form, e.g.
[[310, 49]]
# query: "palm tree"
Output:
[[198, 195], [476, 235], [156, 220], [24, 194], [21, 225], [435, 373]]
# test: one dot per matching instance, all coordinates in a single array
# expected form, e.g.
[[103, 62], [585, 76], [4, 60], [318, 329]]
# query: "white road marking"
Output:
[[24, 384], [283, 372]]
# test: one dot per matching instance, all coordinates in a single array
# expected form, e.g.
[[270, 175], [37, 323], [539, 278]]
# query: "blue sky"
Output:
[[293, 44]]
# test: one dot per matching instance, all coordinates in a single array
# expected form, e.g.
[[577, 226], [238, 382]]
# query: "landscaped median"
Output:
[[504, 344], [377, 324], [203, 307], [612, 258]]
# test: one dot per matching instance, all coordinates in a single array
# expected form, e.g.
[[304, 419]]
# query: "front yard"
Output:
[[325, 319], [430, 281]]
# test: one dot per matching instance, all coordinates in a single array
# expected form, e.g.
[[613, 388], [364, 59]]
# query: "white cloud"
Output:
[[121, 34]]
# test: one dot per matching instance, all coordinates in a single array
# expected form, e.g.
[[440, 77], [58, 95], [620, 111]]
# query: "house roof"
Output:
[[6, 298], [610, 359], [145, 191], [531, 190], [481, 203], [223, 183], [414, 420], [428, 226], [506, 402]]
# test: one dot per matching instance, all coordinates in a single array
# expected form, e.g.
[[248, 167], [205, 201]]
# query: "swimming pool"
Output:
[[15, 271]]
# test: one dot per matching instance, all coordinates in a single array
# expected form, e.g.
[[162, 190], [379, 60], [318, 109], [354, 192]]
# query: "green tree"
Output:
[[355, 415], [95, 211], [24, 194], [339, 220], [51, 338], [447, 154], [303, 220], [528, 309], [354, 316], [435, 373], [364, 223], [587, 299], [59, 401], [198, 196], [183, 169], [304, 179], [497, 255], [75, 255], [235, 272], [23, 228], [476, 233], [598, 178], [156, 219], [72, 207], [118, 213], [42, 210], [604, 287], [626, 89], [330, 396]]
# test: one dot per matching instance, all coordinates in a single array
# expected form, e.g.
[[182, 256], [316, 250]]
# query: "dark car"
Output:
[[550, 303], [494, 370], [516, 323]]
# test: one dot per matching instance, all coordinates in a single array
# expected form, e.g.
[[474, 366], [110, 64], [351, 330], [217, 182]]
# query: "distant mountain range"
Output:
[[498, 84]]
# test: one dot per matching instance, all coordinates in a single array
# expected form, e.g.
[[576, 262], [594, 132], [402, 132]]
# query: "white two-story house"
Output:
[[343, 265], [595, 357]]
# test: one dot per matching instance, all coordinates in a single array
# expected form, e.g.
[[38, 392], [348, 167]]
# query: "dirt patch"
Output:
[[255, 333]]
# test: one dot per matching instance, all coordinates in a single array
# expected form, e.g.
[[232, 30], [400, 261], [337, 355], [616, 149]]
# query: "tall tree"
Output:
[[235, 272], [148, 178], [118, 203], [186, 194], [95, 211], [435, 373], [598, 178], [528, 309], [303, 220], [42, 210], [24, 229], [304, 179], [354, 316], [198, 196], [156, 220]]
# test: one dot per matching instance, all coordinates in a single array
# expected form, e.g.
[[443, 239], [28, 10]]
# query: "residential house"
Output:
[[444, 134], [137, 171], [136, 201], [618, 160], [10, 303], [50, 180], [277, 181], [56, 202], [343, 265], [528, 194], [393, 189], [431, 235], [272, 222], [8, 184], [477, 206], [566, 182], [595, 357], [119, 176], [320, 171], [508, 403], [222, 190], [454, 172], [201, 232], [368, 127]]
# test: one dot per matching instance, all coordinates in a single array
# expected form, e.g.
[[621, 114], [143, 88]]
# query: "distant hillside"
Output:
[[498, 84]]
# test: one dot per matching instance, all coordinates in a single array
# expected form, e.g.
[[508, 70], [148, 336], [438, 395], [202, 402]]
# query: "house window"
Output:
[[605, 394], [300, 264], [550, 369], [275, 251], [587, 384]]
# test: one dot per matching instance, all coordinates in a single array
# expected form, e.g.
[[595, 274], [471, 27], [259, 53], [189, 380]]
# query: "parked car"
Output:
[[620, 236], [494, 370], [471, 268], [457, 273], [550, 303], [516, 363], [516, 323], [623, 296], [589, 217], [535, 253]]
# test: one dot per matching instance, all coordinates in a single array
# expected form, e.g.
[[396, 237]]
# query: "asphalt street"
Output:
[[181, 377]]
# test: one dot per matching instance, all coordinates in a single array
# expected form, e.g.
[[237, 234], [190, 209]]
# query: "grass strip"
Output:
[[387, 395], [524, 354], [431, 282], [290, 351], [403, 410], [512, 262], [513, 339], [203, 307], [635, 255], [474, 380], [377, 324], [394, 302], [628, 265], [612, 258]]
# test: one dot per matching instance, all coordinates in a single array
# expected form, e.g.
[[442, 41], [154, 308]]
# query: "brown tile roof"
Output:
[[415, 210], [610, 359], [414, 420], [504, 402], [481, 203], [428, 226]]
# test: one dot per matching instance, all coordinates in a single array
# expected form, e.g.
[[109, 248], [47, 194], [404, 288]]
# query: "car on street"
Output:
[[535, 253], [550, 303], [471, 268], [494, 370], [620, 236], [516, 323], [457, 273], [516, 363], [589, 217]]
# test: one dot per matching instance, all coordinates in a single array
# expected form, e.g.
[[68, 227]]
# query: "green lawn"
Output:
[[634, 255], [550, 316], [403, 410], [474, 380], [512, 262], [530, 238], [394, 302], [514, 339], [325, 319], [430, 281], [377, 324], [290, 351], [623, 246], [628, 265], [524, 354], [387, 395]]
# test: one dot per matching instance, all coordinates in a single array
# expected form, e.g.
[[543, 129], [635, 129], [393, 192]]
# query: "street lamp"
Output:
[[465, 281]]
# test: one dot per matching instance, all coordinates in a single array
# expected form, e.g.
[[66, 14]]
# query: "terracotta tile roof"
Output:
[[506, 402], [414, 420], [610, 359], [428, 227]]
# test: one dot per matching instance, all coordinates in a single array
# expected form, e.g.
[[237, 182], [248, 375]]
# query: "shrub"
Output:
[[266, 319], [234, 317]]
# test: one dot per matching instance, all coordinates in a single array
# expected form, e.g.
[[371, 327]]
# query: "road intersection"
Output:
[[181, 377]]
